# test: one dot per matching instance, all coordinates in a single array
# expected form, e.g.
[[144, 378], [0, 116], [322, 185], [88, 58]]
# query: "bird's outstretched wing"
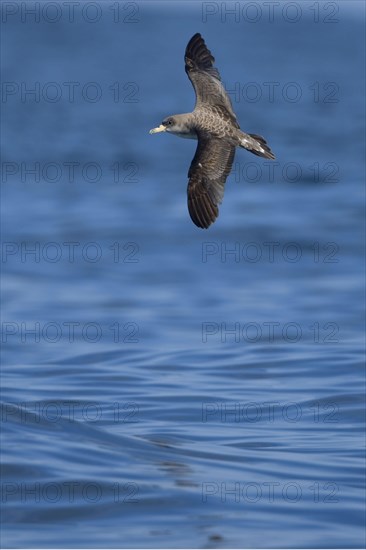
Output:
[[207, 174], [205, 77]]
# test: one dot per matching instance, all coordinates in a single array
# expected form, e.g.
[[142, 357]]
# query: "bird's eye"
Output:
[[170, 122]]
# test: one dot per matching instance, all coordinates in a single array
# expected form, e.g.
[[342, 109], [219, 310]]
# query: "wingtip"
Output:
[[194, 41], [198, 56], [202, 210], [195, 36]]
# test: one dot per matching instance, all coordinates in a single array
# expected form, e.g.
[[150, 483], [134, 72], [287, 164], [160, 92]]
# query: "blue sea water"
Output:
[[166, 386]]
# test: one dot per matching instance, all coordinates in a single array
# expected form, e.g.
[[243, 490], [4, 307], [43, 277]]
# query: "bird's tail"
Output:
[[256, 145]]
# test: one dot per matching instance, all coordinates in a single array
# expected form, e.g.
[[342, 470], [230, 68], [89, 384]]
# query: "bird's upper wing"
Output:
[[205, 77], [207, 174]]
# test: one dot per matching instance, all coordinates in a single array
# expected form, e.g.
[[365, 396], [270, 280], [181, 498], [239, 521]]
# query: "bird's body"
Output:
[[213, 123]]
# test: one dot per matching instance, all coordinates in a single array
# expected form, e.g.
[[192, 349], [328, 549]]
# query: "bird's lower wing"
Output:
[[207, 174]]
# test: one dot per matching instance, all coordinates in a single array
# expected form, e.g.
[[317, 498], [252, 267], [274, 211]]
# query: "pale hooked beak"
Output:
[[160, 128]]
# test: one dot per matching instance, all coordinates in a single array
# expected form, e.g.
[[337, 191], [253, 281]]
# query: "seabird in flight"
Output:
[[213, 123]]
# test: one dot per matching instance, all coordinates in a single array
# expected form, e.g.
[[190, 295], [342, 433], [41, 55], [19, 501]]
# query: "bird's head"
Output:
[[176, 124], [169, 124]]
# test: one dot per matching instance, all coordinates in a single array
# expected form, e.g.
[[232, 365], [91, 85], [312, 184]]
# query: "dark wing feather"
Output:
[[205, 77], [207, 174]]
